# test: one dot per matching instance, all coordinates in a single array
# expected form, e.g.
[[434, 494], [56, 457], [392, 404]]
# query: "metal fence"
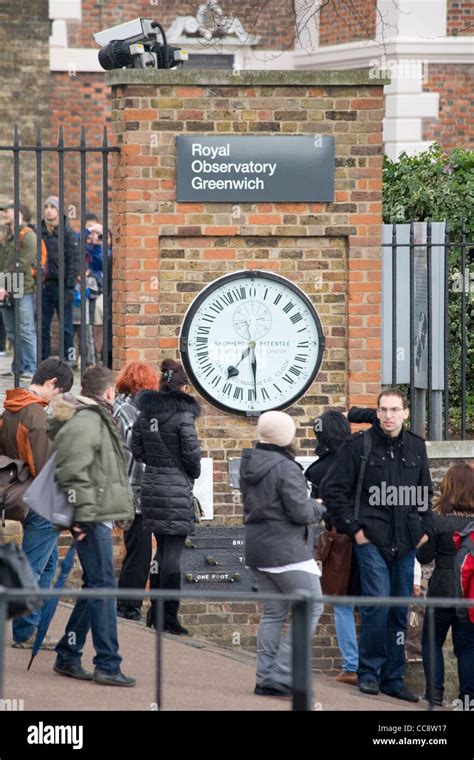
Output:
[[60, 150], [449, 411], [301, 625]]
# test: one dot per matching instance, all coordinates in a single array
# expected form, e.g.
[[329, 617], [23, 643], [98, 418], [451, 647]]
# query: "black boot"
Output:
[[171, 622], [129, 613]]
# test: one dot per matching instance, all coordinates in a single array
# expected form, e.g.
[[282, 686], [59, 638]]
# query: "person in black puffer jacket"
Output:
[[164, 438], [453, 512]]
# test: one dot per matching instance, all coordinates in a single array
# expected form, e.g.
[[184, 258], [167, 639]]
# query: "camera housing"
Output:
[[136, 45]]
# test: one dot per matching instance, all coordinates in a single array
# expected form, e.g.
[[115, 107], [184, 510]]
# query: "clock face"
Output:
[[251, 341]]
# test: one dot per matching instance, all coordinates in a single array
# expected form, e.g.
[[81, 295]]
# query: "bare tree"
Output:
[[220, 17]]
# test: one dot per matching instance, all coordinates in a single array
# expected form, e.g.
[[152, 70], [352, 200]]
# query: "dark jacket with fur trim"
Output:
[[164, 438]]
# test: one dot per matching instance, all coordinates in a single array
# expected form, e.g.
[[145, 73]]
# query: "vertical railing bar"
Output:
[[105, 250], [301, 654], [413, 405], [39, 238], [431, 655], [463, 330], [394, 305], [446, 332], [82, 255], [61, 267], [3, 624], [159, 618], [430, 327], [17, 353]]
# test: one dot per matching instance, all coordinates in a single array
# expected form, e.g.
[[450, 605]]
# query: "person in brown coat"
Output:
[[23, 436]]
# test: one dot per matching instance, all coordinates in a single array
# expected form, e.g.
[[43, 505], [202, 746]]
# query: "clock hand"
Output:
[[253, 364], [232, 371]]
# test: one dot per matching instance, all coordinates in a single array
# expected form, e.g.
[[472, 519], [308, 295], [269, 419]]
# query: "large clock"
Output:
[[251, 341]]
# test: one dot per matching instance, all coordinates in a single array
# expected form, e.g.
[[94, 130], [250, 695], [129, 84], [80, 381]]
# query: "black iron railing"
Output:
[[83, 149], [301, 622]]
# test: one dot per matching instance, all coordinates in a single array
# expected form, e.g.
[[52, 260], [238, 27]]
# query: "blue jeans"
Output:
[[346, 637], [50, 304], [274, 656], [383, 629], [95, 553], [40, 544], [463, 641], [27, 347]]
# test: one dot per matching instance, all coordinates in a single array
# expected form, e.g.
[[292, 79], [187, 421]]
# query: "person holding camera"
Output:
[[19, 285], [50, 235]]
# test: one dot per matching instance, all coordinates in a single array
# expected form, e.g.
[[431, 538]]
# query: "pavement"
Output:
[[196, 675]]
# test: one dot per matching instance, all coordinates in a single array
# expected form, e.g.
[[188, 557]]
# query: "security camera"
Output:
[[136, 45]]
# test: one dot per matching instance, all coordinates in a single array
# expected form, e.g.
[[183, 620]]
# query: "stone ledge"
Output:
[[225, 78], [450, 449]]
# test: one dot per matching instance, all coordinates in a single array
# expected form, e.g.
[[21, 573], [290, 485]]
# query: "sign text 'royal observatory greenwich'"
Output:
[[246, 168]]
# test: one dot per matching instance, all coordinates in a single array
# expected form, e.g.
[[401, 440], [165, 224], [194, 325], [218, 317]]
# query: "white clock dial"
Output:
[[252, 341]]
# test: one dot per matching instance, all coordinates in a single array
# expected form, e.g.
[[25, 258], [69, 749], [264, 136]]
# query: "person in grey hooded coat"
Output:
[[278, 519]]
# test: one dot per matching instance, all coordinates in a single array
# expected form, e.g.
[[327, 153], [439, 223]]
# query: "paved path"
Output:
[[196, 676]]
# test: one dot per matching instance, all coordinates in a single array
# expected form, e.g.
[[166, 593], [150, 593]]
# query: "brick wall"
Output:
[[460, 17], [77, 100], [24, 83], [347, 21], [273, 20], [455, 126], [330, 250]]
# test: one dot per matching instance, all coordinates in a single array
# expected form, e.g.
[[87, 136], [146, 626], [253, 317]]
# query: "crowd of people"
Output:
[[20, 284], [128, 451]]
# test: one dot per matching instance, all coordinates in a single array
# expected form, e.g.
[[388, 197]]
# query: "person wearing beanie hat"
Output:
[[279, 548], [50, 302], [52, 200], [276, 427]]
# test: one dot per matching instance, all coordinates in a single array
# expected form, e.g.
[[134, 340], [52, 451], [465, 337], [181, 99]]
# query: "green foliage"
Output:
[[434, 185], [431, 185]]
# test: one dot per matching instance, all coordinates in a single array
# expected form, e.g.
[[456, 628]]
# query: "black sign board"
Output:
[[245, 169]]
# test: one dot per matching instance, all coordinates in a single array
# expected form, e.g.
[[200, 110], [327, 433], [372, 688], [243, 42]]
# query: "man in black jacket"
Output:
[[50, 235], [394, 519]]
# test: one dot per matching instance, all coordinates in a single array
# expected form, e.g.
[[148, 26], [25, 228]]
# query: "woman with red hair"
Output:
[[134, 377]]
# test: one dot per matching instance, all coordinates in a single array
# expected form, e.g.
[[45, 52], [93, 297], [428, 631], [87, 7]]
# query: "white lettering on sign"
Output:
[[198, 183], [200, 167], [207, 150], [249, 167]]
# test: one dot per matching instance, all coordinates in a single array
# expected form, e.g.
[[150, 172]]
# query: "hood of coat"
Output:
[[65, 406], [17, 398], [157, 403], [256, 463]]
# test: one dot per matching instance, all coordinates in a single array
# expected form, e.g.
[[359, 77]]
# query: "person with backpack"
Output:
[[23, 435], [133, 378], [394, 519], [50, 302], [19, 285], [453, 521], [91, 465]]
